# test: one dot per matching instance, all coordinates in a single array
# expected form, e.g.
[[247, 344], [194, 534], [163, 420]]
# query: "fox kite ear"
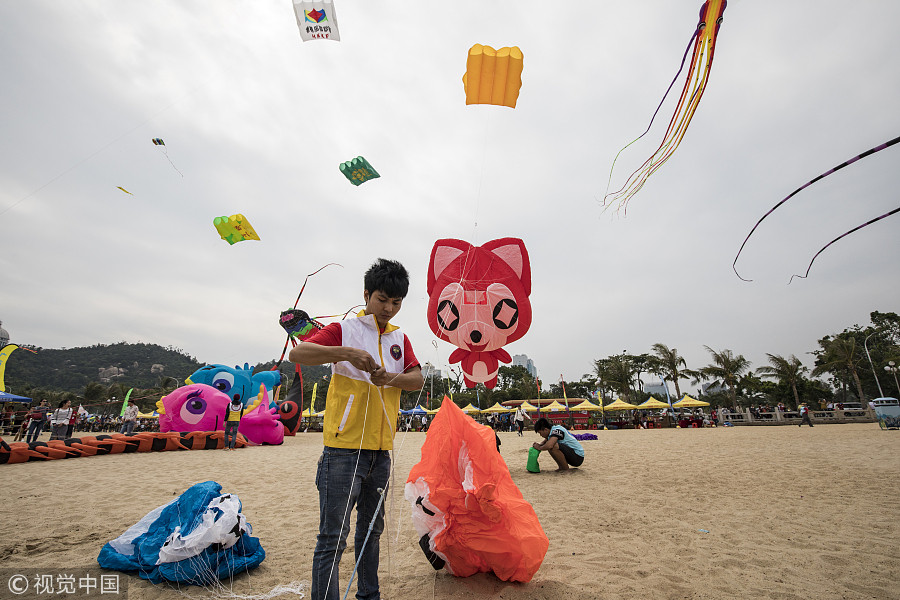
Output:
[[443, 254], [512, 252]]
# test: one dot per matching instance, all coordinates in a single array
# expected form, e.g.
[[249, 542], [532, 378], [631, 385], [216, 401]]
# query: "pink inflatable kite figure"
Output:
[[261, 425], [195, 407], [478, 301], [201, 407]]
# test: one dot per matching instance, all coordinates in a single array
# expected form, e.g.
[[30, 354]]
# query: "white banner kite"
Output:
[[317, 20]]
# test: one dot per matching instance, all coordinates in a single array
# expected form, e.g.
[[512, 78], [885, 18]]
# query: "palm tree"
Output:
[[615, 373], [786, 370], [671, 365], [726, 368], [841, 354]]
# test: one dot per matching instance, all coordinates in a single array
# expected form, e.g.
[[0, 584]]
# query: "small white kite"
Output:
[[317, 20]]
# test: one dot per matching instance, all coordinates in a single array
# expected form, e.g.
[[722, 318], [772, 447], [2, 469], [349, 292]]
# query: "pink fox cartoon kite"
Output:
[[478, 301]]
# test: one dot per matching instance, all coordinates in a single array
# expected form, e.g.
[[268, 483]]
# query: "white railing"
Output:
[[792, 417]]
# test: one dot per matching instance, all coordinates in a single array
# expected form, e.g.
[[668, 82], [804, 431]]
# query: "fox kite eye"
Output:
[[506, 313], [448, 315]]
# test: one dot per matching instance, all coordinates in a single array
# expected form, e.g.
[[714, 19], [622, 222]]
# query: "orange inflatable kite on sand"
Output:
[[470, 514]]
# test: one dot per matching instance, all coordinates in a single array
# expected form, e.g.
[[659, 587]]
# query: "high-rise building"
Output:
[[522, 360], [429, 370]]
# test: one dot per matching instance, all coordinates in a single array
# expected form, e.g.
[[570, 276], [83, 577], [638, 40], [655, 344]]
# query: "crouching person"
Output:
[[559, 443]]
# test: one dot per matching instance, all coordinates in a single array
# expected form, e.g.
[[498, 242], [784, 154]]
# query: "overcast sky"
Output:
[[258, 122]]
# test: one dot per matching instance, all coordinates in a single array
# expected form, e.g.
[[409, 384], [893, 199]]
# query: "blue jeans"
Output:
[[348, 478], [34, 431], [231, 431], [127, 427]]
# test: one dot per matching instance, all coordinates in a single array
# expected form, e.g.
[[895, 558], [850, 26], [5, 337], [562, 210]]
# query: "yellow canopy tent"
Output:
[[153, 415], [528, 406], [652, 403], [497, 408], [554, 406], [688, 402], [589, 406], [619, 404], [470, 409]]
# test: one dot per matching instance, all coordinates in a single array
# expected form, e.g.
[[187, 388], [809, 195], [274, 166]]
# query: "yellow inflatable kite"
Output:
[[235, 228], [493, 76], [4, 356]]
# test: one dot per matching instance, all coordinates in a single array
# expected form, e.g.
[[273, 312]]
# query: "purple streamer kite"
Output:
[[868, 152], [887, 214]]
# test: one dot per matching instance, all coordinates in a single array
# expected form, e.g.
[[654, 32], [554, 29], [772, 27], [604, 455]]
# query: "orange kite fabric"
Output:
[[117, 443], [470, 515], [493, 76]]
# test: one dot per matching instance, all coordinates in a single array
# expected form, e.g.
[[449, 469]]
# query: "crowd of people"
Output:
[[23, 423]]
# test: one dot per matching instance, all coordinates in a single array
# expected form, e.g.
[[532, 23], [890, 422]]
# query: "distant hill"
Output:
[[132, 365], [69, 370]]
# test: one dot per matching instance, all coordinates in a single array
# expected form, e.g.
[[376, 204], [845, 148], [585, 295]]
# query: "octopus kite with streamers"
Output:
[[703, 42], [868, 152]]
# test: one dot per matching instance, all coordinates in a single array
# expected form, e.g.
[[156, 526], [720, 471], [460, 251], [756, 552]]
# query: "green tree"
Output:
[[671, 365], [786, 370], [727, 369], [94, 391], [616, 373], [839, 356], [516, 383]]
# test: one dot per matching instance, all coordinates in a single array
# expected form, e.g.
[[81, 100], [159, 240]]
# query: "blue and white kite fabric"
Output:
[[198, 538]]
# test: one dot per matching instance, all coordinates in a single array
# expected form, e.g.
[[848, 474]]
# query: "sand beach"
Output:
[[743, 512]]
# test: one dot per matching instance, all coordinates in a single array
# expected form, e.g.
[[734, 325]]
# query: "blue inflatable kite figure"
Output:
[[240, 384], [198, 539]]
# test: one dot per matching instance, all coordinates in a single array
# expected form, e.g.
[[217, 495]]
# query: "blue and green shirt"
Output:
[[566, 439]]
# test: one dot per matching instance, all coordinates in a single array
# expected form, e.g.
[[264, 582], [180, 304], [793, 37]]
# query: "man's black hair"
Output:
[[388, 276], [542, 423]]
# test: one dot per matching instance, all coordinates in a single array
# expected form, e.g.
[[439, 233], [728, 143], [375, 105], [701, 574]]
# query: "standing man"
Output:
[[372, 361], [233, 415], [521, 415], [38, 417], [804, 415], [130, 418]]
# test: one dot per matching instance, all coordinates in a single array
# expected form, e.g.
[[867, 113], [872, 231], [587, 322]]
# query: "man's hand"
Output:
[[382, 377], [362, 360]]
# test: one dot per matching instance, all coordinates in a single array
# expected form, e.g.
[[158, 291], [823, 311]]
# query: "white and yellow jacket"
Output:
[[358, 414]]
